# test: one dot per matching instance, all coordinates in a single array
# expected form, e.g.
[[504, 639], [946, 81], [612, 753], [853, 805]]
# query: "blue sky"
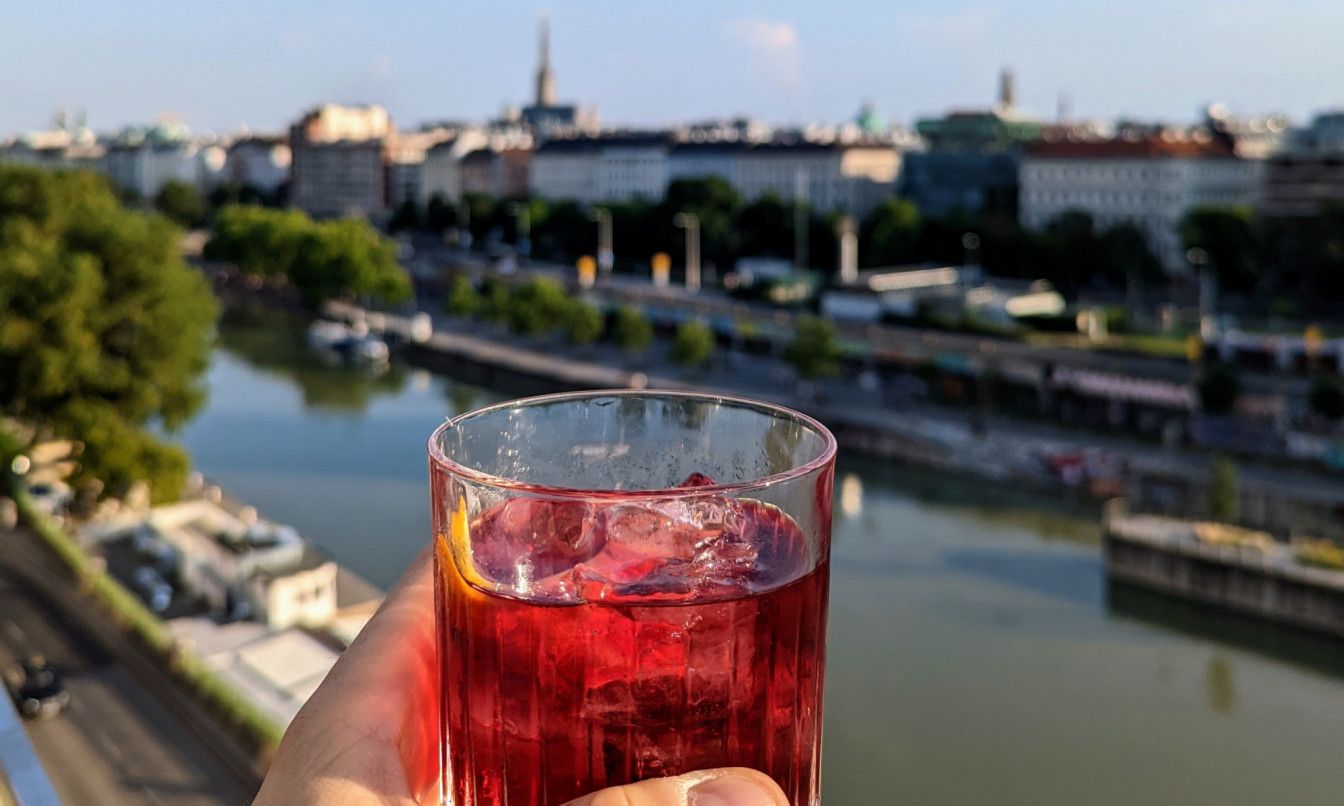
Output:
[[215, 66]]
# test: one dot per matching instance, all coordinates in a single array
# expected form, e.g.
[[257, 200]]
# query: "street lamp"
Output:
[[605, 257], [522, 212], [970, 242], [1208, 290], [691, 223]]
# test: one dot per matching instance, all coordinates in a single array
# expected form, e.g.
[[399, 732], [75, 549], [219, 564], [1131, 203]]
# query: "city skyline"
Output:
[[787, 64]]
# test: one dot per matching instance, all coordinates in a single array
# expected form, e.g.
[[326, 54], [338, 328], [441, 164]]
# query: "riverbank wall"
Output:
[[1166, 555]]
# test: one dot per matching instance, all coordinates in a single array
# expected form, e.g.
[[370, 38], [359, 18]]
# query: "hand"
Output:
[[369, 735]]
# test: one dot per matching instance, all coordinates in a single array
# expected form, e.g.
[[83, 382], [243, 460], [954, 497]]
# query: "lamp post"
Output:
[[1208, 291], [605, 257], [691, 223], [523, 214]]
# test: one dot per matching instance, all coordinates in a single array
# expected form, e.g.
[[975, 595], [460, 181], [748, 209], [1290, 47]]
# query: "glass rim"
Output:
[[824, 457]]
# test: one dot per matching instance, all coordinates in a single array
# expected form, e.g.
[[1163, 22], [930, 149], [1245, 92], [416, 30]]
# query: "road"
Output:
[[117, 742]]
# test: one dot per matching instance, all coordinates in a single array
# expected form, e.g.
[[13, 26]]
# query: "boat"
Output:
[[355, 344]]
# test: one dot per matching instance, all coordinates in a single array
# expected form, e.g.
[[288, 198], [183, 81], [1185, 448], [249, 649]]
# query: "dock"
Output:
[[1264, 579]]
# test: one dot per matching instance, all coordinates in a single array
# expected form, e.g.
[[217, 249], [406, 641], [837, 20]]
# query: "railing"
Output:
[[23, 780]]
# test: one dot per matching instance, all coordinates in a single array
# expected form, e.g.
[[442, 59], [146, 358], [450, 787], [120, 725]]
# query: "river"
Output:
[[976, 654]]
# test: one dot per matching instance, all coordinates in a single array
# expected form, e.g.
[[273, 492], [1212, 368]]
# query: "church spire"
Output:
[[545, 81]]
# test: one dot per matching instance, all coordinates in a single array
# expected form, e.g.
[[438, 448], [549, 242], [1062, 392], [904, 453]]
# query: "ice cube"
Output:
[[525, 540]]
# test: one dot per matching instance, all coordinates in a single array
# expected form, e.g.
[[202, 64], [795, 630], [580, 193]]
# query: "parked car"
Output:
[[37, 688], [153, 588], [50, 497]]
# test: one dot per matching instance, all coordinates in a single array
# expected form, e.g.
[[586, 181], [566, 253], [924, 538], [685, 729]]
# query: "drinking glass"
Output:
[[629, 584]]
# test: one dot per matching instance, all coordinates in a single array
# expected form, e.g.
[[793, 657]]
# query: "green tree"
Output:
[[1219, 387], [1231, 239], [890, 234], [1326, 397], [537, 307], [692, 344], [1128, 258], [1223, 495], [105, 329], [182, 202], [407, 216], [347, 258], [765, 227], [716, 203], [494, 300], [583, 323], [632, 330], [462, 300], [440, 214], [342, 258], [815, 349]]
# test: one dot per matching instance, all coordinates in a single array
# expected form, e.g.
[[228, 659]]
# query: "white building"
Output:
[[339, 158], [1150, 182], [258, 162], [632, 167], [274, 671], [567, 169], [55, 148], [441, 171], [142, 161], [833, 176], [228, 559]]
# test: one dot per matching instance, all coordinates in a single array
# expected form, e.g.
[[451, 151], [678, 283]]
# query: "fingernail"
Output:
[[732, 790]]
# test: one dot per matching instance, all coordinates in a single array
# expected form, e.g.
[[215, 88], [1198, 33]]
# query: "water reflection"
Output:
[[1221, 688], [275, 342], [1318, 652]]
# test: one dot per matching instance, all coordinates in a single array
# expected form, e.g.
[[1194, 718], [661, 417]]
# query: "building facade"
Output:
[[831, 176], [339, 162], [1308, 174], [567, 169], [258, 162], [1150, 182]]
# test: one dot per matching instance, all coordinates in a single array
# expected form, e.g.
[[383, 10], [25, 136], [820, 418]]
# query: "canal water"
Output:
[[976, 654]]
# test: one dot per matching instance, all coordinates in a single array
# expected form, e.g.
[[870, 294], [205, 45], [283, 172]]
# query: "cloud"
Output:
[[382, 66], [772, 47]]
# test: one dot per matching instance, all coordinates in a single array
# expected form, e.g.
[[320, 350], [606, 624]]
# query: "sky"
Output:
[[260, 63]]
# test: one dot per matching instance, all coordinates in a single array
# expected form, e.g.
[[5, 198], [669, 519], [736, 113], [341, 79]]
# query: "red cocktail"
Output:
[[622, 626]]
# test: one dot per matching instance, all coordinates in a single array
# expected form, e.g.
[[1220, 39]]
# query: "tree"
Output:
[[348, 258], [766, 227], [105, 329], [890, 234], [692, 344], [440, 214], [1326, 397], [182, 202], [583, 323], [462, 299], [537, 307], [1231, 239], [407, 216], [1223, 496], [1219, 387], [1128, 258], [716, 203], [631, 329], [341, 258], [494, 300], [815, 349]]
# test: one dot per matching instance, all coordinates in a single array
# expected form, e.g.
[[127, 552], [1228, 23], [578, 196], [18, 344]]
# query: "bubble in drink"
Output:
[[657, 637]]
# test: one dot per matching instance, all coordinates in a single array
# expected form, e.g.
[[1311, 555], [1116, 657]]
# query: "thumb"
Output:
[[730, 786]]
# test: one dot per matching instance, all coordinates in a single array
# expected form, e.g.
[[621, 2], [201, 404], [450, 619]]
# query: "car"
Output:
[[50, 498], [38, 689], [153, 588]]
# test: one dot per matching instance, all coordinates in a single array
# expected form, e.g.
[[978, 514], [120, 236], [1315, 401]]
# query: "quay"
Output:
[[1242, 570]]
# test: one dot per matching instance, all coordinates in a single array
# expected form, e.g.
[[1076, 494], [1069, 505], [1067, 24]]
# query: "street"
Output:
[[116, 743]]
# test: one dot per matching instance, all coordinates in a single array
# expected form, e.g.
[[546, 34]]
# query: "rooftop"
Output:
[[1146, 147]]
